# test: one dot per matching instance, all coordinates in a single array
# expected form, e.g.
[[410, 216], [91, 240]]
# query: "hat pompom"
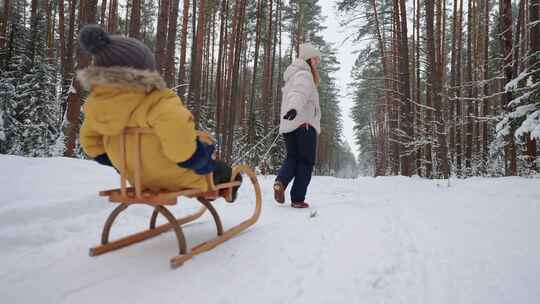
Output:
[[94, 39]]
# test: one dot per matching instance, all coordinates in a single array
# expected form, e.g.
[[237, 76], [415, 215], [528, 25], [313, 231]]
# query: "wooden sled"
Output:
[[127, 196]]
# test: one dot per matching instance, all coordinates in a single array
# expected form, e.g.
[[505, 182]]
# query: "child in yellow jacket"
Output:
[[126, 90]]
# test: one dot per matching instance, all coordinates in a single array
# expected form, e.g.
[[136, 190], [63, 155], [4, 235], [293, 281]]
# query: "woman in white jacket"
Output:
[[300, 123]]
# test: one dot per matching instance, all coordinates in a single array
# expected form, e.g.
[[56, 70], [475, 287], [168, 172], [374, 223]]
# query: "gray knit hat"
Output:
[[115, 50]]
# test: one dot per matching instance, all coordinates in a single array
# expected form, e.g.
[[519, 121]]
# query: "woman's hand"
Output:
[[290, 115]]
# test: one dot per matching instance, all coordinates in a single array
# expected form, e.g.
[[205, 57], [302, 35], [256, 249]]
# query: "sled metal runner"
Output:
[[159, 200]]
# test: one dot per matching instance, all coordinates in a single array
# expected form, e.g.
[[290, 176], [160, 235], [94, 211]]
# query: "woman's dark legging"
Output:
[[301, 145]]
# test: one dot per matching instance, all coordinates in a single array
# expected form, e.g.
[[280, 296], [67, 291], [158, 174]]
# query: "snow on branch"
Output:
[[533, 24], [522, 111], [517, 101], [531, 125], [512, 84]]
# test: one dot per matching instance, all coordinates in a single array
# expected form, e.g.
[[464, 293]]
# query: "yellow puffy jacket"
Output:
[[123, 97]]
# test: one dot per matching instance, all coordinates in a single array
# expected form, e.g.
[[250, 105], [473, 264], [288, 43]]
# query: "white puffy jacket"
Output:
[[300, 93]]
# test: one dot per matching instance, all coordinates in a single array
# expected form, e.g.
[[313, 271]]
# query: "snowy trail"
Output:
[[383, 240]]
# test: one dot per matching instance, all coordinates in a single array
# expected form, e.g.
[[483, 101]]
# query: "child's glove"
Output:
[[201, 161], [103, 159]]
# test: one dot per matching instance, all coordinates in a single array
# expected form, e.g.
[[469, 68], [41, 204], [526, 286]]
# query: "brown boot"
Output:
[[279, 192]]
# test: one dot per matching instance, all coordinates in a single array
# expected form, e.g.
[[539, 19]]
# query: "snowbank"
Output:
[[372, 240]]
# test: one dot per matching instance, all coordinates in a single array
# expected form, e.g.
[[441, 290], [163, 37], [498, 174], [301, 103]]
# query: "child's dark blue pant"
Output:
[[301, 147]]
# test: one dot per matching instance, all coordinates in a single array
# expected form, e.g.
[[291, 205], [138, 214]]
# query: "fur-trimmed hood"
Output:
[[108, 110], [120, 76], [298, 65]]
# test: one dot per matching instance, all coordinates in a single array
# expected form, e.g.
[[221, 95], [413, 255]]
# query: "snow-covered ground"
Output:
[[372, 240]]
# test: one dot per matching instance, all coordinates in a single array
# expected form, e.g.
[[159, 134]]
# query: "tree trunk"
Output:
[[300, 29], [453, 82], [195, 88], [206, 65], [67, 51], [459, 103], [212, 61], [469, 94], [506, 47], [62, 37], [103, 10], [229, 81], [534, 60], [5, 20], [517, 52], [171, 45], [87, 14], [435, 72], [442, 151], [135, 22], [49, 13], [418, 115], [237, 38], [431, 75], [486, 101], [267, 71], [161, 36], [70, 49], [31, 47], [476, 51], [395, 102], [414, 109], [274, 102], [126, 21], [113, 16], [280, 76], [380, 166], [220, 73], [254, 78], [183, 47], [406, 109], [245, 83]]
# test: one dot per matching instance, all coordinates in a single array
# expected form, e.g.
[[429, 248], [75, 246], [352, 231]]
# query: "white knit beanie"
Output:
[[307, 50]]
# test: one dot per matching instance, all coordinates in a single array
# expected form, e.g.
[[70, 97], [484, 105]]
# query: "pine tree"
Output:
[[367, 87], [28, 100], [148, 21], [234, 70], [6, 12]]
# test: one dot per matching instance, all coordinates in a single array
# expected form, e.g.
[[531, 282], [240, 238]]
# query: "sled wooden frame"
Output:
[[127, 196]]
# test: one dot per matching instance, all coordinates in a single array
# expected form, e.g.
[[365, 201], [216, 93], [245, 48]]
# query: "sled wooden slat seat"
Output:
[[136, 194], [162, 197]]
